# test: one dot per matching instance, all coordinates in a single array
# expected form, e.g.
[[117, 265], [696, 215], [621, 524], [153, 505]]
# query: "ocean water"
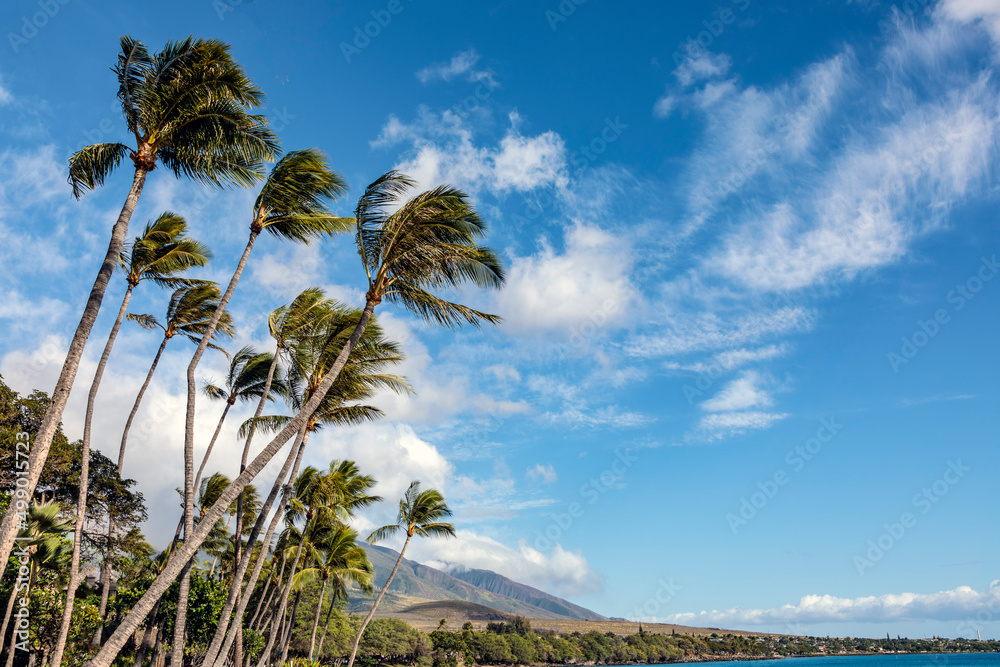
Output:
[[892, 660]]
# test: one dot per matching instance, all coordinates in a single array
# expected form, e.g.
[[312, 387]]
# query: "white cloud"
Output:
[[5, 95], [462, 63], [543, 473], [986, 11], [705, 65], [875, 199], [960, 603], [443, 151], [730, 359], [665, 105], [586, 284], [687, 332], [722, 425], [742, 393], [712, 93], [557, 571]]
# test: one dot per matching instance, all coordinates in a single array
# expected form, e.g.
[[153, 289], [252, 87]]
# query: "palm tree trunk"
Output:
[[183, 589], [105, 590], [234, 587], [266, 594], [177, 654], [152, 631], [238, 654], [326, 628], [283, 605], [81, 501], [319, 608], [6, 621], [368, 618], [138, 400], [246, 452], [60, 394], [192, 543], [289, 626], [211, 444]]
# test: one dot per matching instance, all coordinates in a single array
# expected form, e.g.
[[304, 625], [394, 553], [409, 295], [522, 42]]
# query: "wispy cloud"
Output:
[[461, 64], [742, 393]]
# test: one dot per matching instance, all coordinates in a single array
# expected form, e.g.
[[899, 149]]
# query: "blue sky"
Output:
[[748, 357]]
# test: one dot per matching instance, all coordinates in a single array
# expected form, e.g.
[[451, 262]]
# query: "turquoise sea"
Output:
[[929, 660]]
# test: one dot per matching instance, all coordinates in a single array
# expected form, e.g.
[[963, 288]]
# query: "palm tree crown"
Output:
[[419, 514], [430, 241], [188, 109], [162, 251]]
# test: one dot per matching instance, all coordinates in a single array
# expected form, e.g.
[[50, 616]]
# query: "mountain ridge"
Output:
[[417, 583]]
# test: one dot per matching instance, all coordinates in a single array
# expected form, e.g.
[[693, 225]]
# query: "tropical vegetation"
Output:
[[252, 555]]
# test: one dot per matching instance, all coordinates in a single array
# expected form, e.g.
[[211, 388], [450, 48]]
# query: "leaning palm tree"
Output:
[[310, 361], [189, 311], [339, 560], [420, 513], [292, 204], [161, 253], [287, 325], [429, 242], [249, 378], [321, 498], [188, 108]]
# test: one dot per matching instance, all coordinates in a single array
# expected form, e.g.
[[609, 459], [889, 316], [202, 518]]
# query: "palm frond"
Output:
[[89, 166]]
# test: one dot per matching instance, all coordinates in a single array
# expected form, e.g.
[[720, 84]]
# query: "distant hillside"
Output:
[[501, 585], [415, 584]]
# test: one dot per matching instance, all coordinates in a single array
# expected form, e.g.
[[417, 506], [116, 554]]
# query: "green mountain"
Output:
[[416, 584], [501, 585]]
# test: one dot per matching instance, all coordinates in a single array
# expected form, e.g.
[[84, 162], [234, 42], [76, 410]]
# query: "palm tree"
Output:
[[292, 204], [287, 325], [249, 377], [336, 559], [429, 242], [311, 357], [188, 108], [159, 254], [43, 538], [321, 498], [420, 513], [190, 309]]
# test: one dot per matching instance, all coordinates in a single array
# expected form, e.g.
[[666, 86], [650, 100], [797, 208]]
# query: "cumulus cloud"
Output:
[[665, 105], [960, 603], [443, 150], [557, 571], [586, 283], [543, 473]]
